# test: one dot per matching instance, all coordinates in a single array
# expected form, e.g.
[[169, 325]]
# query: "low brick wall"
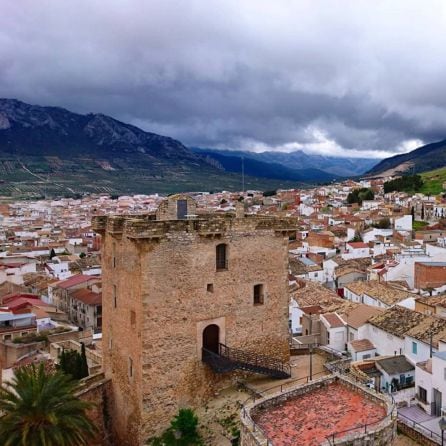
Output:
[[85, 335]]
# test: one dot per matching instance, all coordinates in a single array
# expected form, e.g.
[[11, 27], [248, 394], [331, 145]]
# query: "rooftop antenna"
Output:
[[243, 174]]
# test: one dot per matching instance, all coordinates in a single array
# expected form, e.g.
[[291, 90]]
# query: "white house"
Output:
[[396, 373], [333, 333], [430, 380], [361, 349], [356, 250], [403, 223]]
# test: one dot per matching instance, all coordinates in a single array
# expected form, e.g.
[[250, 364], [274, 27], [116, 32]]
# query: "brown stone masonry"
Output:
[[164, 297]]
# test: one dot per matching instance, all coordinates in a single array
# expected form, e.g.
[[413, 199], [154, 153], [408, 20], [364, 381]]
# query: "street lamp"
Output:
[[442, 424]]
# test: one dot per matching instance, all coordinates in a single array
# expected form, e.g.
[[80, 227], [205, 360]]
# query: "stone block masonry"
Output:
[[164, 298]]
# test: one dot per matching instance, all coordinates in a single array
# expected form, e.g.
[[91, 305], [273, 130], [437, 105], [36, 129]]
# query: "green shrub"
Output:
[[32, 337], [182, 431]]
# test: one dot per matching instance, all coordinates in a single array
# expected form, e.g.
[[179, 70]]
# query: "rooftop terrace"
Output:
[[327, 411]]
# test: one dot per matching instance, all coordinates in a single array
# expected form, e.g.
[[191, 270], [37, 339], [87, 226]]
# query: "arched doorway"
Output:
[[211, 338]]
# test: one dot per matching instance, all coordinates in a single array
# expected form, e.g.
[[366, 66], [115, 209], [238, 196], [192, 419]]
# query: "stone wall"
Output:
[[86, 336], [10, 352], [162, 276], [96, 390], [418, 437], [168, 208]]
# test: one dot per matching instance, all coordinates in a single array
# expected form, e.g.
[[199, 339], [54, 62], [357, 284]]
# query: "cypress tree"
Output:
[[84, 364], [62, 361], [77, 369]]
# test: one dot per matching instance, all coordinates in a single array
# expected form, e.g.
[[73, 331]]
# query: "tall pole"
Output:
[[311, 362], [243, 174]]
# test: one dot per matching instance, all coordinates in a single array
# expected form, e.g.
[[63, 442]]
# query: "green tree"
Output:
[[422, 212], [357, 237], [39, 408], [182, 431], [82, 255], [71, 363], [359, 195], [384, 223], [84, 363], [408, 183]]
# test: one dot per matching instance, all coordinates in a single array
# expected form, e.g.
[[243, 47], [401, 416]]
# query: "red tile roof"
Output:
[[333, 319], [358, 245], [14, 296], [78, 279], [23, 302], [87, 296], [361, 345]]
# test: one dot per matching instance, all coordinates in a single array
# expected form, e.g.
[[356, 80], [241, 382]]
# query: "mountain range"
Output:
[[429, 157], [50, 150], [316, 166]]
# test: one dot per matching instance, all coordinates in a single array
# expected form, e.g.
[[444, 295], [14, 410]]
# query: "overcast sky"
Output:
[[362, 78]]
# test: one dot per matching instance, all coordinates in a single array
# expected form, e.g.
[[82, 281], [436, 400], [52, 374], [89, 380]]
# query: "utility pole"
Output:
[[243, 174]]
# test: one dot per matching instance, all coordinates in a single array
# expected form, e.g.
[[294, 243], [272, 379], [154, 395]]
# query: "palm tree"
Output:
[[39, 408]]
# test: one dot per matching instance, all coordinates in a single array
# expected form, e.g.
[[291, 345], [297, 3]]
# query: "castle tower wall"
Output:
[[168, 291]]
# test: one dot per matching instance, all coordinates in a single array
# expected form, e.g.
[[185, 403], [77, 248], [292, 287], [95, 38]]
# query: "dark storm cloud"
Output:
[[351, 77]]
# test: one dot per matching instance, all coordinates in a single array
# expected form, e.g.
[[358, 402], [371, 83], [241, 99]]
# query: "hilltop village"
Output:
[[308, 299]]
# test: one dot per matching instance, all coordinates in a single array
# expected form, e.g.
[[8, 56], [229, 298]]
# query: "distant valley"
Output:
[[316, 165], [52, 151]]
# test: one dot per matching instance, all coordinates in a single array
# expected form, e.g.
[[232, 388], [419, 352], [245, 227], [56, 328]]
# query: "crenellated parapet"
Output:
[[142, 227]]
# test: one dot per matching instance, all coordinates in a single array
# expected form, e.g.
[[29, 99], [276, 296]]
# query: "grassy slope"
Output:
[[433, 181]]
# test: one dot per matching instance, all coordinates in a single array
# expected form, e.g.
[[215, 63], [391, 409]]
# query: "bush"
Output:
[[32, 337], [73, 363], [359, 195], [182, 431], [384, 223]]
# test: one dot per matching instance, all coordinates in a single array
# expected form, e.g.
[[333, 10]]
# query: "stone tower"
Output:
[[174, 283]]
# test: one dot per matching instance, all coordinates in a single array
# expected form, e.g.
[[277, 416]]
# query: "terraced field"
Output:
[[35, 177]]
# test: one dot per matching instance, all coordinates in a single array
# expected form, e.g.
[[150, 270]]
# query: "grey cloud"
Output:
[[366, 75]]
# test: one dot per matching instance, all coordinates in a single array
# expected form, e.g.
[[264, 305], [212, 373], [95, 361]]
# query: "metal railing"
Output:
[[423, 430], [360, 430], [254, 360]]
